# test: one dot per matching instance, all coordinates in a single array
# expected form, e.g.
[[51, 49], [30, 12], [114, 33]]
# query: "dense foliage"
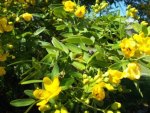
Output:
[[58, 57]]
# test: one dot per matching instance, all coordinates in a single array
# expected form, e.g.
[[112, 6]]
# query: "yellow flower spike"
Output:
[[2, 71], [98, 92], [69, 6], [51, 90], [27, 17], [80, 12], [132, 72], [128, 47], [115, 76]]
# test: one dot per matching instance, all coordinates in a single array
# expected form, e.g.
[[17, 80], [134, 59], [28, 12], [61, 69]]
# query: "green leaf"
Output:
[[73, 48], [38, 31], [31, 82], [78, 65], [29, 93], [76, 75], [60, 27], [59, 12], [79, 39], [22, 102], [59, 45], [66, 83], [55, 71]]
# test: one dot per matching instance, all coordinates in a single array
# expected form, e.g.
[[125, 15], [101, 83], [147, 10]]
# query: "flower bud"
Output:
[[116, 105]]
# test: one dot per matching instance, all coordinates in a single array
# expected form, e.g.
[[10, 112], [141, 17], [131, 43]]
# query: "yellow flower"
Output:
[[3, 57], [80, 12], [51, 90], [106, 85], [63, 110], [139, 38], [57, 111], [63, 1], [98, 92], [128, 47], [132, 72], [115, 76], [27, 16], [4, 26], [145, 46], [2, 71], [143, 43], [69, 6]]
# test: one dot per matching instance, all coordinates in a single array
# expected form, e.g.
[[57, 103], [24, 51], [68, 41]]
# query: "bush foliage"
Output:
[[60, 58]]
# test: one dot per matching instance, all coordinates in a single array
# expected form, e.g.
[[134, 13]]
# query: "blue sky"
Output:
[[120, 6]]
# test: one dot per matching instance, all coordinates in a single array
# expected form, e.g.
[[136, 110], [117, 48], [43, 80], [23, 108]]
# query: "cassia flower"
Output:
[[128, 47], [3, 57], [2, 71], [51, 90], [115, 76], [80, 11], [98, 92], [69, 6], [132, 72], [4, 26], [27, 17]]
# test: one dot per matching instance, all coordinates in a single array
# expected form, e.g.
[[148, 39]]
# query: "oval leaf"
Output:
[[22, 102]]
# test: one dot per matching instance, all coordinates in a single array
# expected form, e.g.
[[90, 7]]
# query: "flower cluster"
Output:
[[135, 46], [132, 12], [72, 7], [111, 79], [99, 6]]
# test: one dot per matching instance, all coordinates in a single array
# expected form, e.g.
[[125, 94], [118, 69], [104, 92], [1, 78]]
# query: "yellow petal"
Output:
[[51, 85], [3, 21], [55, 93], [41, 94], [47, 83], [42, 103], [8, 28]]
